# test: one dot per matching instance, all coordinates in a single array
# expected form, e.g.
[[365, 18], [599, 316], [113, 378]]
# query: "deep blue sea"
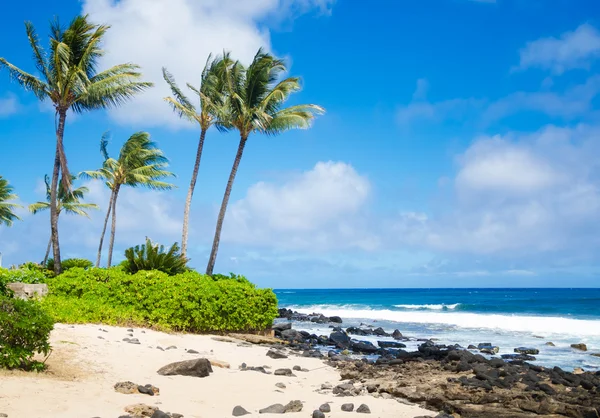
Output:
[[507, 318]]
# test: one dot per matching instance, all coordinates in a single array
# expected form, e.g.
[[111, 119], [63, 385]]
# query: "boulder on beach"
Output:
[[281, 326], [363, 347], [273, 409], [390, 344], [340, 339], [397, 335], [197, 368], [348, 407], [335, 319], [239, 411], [580, 346], [276, 354]]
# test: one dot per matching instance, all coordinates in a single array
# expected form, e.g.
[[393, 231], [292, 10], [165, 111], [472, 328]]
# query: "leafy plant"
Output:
[[26, 273], [151, 256], [7, 207], [189, 301], [24, 331], [70, 263]]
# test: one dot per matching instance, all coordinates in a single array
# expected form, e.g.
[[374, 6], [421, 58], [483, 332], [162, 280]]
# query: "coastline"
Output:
[[87, 362]]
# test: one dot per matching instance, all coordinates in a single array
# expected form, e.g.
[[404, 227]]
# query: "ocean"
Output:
[[507, 318]]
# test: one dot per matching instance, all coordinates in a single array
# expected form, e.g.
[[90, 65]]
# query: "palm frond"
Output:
[[27, 81]]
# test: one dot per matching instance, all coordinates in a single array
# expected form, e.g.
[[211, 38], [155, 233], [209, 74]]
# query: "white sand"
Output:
[[84, 368]]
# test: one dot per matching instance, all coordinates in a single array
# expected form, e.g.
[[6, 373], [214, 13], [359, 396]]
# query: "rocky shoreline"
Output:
[[456, 381]]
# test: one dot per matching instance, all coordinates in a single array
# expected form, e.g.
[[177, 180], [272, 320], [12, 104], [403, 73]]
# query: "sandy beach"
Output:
[[87, 362]]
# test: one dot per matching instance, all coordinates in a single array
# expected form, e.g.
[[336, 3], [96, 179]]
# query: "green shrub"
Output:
[[24, 331], [184, 302], [69, 263], [151, 256], [232, 276], [24, 274]]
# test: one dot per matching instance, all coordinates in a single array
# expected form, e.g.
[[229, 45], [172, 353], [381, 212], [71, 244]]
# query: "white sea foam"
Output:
[[547, 325], [430, 307]]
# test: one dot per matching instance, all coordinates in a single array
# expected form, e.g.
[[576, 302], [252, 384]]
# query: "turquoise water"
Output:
[[505, 317]]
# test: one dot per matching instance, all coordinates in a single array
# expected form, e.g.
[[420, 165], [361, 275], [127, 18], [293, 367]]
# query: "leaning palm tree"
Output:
[[68, 78], [209, 100], [70, 202], [7, 207], [140, 164], [255, 98]]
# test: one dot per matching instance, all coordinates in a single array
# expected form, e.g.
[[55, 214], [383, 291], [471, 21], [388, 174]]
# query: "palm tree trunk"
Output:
[[110, 202], [45, 262], [188, 200], [113, 225], [60, 130], [215, 247]]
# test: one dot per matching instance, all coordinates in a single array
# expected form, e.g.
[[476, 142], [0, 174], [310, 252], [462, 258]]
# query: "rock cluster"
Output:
[[459, 382]]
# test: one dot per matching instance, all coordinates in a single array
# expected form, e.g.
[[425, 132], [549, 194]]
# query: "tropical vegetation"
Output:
[[69, 79], [140, 164], [255, 98], [7, 204], [188, 301], [210, 99], [151, 256], [67, 200]]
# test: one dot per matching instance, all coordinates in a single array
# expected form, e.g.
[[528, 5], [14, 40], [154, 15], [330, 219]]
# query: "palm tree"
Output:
[[68, 78], [140, 164], [255, 98], [7, 214], [210, 100], [70, 202]]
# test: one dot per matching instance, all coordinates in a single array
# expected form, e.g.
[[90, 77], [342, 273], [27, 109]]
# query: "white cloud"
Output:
[[9, 105], [318, 209], [179, 34], [518, 196], [574, 49]]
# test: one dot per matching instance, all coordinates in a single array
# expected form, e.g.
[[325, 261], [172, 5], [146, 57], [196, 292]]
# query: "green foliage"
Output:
[[26, 273], [24, 331], [184, 302], [7, 206], [232, 276], [151, 256], [70, 263]]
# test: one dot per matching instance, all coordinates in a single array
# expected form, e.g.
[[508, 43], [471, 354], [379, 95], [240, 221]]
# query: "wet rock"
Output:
[[380, 332], [517, 357], [197, 368], [340, 339], [472, 347], [527, 350], [293, 406], [363, 347], [390, 344], [397, 335], [348, 407], [335, 319], [580, 346], [239, 411], [318, 414], [273, 409], [363, 409], [284, 372], [276, 354], [550, 344], [490, 349], [325, 408]]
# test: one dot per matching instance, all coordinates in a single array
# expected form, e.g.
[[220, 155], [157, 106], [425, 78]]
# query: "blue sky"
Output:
[[459, 149]]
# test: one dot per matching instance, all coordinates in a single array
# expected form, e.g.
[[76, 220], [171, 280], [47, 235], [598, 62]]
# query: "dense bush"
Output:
[[24, 331], [151, 256], [26, 273], [185, 302], [69, 263]]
